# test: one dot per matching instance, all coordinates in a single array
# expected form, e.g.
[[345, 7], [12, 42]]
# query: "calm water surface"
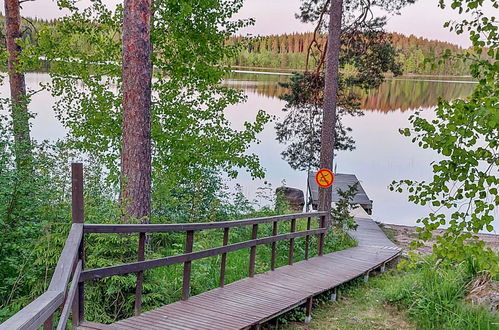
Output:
[[381, 153]]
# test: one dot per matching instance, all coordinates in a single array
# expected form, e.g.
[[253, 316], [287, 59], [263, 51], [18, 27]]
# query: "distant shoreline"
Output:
[[402, 235], [423, 78], [257, 69]]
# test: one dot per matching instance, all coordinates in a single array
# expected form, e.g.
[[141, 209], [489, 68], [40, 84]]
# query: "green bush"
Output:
[[434, 296]]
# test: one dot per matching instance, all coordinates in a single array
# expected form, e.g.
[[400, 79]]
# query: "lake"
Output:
[[381, 155]]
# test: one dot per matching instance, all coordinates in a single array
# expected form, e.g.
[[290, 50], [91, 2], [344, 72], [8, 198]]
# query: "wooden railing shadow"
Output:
[[72, 260]]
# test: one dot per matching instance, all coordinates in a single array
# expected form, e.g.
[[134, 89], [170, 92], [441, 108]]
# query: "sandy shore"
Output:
[[403, 235]]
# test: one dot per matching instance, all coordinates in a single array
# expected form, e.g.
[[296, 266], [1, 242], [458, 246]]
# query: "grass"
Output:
[[360, 306], [421, 298], [433, 298]]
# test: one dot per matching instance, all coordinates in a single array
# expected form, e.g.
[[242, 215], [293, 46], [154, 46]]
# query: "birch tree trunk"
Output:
[[19, 101], [136, 135], [330, 98]]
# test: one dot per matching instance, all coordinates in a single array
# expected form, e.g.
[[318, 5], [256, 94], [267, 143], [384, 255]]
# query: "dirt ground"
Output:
[[403, 235]]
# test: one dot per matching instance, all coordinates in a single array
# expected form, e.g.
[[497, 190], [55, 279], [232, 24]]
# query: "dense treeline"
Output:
[[288, 51], [29, 27]]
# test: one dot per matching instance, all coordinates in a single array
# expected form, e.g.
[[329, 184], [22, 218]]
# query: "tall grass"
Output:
[[433, 298]]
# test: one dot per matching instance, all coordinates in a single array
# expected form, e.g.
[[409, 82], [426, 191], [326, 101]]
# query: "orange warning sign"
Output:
[[324, 178]]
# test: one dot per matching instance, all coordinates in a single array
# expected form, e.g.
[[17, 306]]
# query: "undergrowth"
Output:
[[433, 297], [425, 297]]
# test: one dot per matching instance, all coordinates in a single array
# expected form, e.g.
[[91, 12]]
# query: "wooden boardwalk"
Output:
[[252, 301]]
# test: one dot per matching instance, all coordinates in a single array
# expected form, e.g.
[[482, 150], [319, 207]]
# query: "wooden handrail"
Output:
[[181, 258], [66, 262], [190, 228], [162, 228], [38, 311]]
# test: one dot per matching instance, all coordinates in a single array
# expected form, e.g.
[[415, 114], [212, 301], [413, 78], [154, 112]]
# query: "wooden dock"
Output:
[[252, 301], [341, 182]]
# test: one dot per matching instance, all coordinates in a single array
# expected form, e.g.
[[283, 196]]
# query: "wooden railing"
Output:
[[41, 310]]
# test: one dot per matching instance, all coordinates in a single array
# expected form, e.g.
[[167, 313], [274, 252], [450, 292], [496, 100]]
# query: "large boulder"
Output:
[[295, 197]]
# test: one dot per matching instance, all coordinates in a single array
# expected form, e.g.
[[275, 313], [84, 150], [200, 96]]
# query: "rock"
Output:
[[295, 197], [484, 290]]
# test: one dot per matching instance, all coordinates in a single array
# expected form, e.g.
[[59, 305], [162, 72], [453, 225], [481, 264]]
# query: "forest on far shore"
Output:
[[288, 51]]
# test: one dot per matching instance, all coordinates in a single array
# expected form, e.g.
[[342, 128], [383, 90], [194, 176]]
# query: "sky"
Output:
[[423, 19]]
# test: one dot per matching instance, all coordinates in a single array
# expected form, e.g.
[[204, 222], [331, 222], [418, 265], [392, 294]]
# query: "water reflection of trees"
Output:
[[393, 94]]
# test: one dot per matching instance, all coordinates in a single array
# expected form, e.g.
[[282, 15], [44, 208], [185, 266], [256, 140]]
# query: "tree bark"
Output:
[[19, 101], [136, 135], [328, 131]]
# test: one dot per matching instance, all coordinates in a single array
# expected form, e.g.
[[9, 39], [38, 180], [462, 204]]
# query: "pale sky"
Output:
[[423, 19]]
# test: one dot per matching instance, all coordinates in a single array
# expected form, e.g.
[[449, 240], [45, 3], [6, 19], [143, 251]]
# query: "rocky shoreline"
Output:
[[403, 235]]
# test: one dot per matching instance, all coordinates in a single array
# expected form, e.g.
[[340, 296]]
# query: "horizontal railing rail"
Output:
[[172, 227], [172, 260], [40, 310]]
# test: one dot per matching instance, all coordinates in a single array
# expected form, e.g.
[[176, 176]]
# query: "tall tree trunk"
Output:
[[19, 101], [330, 98], [136, 136]]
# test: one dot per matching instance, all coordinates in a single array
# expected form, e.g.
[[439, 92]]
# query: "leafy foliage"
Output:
[[189, 129], [341, 212], [465, 133]]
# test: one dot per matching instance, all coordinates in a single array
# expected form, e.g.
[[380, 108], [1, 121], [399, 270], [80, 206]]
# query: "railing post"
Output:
[[224, 258], [274, 246], [307, 238], [308, 310], [321, 235], [78, 216], [189, 242], [292, 242], [254, 234], [140, 275], [49, 323]]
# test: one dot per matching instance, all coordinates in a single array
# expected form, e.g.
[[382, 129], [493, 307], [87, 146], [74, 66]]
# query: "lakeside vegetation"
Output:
[[289, 51], [188, 148], [421, 298]]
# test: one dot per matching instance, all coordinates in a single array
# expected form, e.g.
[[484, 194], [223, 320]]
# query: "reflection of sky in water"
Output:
[[377, 160], [382, 154], [45, 125]]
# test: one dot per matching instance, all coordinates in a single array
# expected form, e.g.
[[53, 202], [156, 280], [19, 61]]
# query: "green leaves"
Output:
[[189, 129], [465, 133]]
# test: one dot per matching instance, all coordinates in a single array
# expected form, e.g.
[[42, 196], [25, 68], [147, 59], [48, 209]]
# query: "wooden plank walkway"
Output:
[[252, 301]]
